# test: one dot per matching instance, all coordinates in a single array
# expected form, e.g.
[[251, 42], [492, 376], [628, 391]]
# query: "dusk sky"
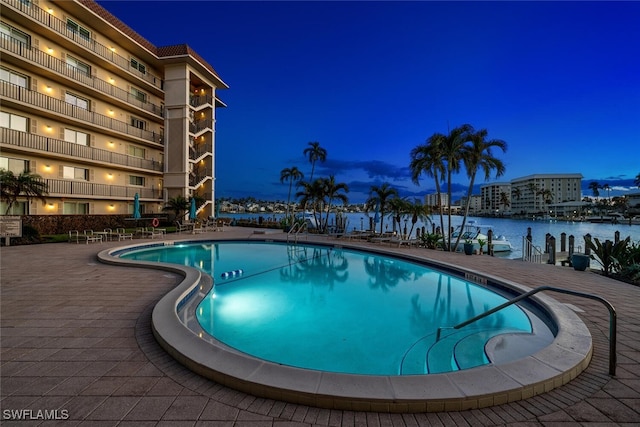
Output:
[[558, 81]]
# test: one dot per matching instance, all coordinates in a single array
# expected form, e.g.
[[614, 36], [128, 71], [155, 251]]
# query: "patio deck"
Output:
[[75, 336]]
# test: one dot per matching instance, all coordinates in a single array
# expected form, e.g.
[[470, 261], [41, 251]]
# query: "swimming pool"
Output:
[[514, 372], [346, 311]]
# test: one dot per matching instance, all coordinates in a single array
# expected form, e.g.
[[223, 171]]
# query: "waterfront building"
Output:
[[101, 114], [475, 206], [496, 198], [532, 195], [431, 200]]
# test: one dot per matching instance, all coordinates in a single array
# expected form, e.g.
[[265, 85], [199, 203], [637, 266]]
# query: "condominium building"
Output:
[[496, 198], [101, 114], [431, 200], [533, 194]]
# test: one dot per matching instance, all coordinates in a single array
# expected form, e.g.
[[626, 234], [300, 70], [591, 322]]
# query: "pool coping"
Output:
[[557, 364]]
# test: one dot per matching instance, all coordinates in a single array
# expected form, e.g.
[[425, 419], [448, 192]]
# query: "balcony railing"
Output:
[[57, 146], [196, 101], [199, 126], [35, 99], [45, 60], [61, 187], [60, 27]]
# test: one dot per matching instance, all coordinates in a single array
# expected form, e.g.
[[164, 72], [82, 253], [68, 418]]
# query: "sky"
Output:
[[559, 82]]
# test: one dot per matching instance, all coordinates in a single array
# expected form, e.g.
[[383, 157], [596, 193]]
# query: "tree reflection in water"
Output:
[[386, 273], [316, 266]]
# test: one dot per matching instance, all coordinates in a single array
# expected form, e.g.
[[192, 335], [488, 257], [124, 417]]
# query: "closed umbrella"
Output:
[[136, 207], [192, 210]]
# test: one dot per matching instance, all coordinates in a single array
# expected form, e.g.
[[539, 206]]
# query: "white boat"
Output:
[[309, 218], [475, 232]]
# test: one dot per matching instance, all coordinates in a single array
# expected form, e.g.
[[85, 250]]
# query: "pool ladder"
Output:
[[296, 230], [612, 317]]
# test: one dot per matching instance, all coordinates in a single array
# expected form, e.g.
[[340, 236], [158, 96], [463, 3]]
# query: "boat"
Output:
[[474, 233], [309, 218], [609, 218]]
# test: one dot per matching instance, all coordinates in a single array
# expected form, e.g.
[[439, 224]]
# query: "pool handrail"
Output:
[[612, 317]]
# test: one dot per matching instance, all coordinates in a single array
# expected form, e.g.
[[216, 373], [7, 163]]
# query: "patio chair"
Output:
[[122, 234]]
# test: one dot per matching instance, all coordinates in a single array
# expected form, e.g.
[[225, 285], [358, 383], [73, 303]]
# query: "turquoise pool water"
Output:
[[332, 309]]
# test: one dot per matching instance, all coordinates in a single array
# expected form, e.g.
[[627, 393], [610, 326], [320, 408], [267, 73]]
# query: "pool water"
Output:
[[347, 311]]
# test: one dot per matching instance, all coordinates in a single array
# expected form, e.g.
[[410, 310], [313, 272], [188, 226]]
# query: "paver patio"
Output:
[[75, 337]]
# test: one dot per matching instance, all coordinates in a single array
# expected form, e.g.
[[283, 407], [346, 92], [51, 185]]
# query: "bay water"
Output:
[[514, 230]]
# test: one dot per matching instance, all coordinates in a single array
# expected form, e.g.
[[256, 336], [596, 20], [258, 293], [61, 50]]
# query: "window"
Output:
[[76, 137], [138, 66], [17, 166], [14, 78], [7, 30], [136, 180], [136, 151], [78, 29], [13, 121], [78, 65], [76, 100], [69, 172], [138, 94], [137, 123], [74, 208]]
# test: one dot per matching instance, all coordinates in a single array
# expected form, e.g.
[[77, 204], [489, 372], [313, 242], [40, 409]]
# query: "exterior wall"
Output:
[[527, 192], [492, 200], [432, 199], [93, 95]]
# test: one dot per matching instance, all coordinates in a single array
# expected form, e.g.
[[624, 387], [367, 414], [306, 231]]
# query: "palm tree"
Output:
[[332, 190], [178, 205], [453, 153], [607, 188], [314, 194], [427, 159], [379, 199], [25, 184], [504, 200], [418, 212], [397, 207], [290, 174], [594, 187], [314, 153], [477, 155]]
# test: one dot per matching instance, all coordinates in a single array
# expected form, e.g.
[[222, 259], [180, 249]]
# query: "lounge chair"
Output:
[[184, 226], [87, 236], [122, 234]]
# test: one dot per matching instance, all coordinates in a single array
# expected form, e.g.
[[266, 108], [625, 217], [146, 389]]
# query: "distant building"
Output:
[[496, 198], [533, 195], [432, 200], [101, 114], [475, 206]]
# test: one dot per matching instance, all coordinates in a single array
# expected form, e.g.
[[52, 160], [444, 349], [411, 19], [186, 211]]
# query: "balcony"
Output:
[[200, 126], [54, 64], [35, 99], [62, 188], [69, 149], [59, 26], [200, 100]]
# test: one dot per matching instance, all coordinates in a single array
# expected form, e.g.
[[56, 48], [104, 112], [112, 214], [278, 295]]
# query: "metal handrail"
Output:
[[612, 317], [296, 230], [530, 253]]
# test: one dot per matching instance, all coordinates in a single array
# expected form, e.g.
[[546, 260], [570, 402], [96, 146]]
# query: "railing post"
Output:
[[551, 249], [587, 240], [563, 242]]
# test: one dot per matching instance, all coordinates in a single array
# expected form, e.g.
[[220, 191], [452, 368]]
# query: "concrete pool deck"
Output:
[[76, 336]]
